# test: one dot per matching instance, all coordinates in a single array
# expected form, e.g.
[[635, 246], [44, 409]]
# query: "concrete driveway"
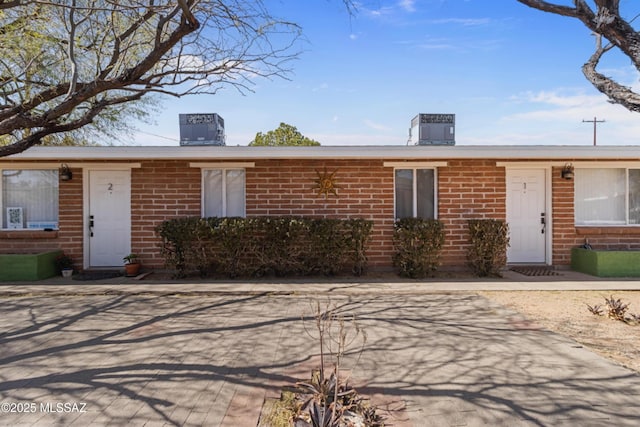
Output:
[[430, 359]]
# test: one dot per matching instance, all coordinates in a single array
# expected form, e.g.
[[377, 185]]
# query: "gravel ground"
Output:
[[566, 313]]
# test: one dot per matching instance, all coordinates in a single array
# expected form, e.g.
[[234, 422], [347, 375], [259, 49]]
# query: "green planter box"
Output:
[[20, 267], [606, 263]]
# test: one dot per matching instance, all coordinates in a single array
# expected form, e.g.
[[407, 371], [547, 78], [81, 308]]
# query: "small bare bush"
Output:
[[596, 310], [327, 399], [616, 310]]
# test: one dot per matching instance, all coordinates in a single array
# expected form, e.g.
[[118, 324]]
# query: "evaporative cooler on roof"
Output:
[[433, 129], [201, 129]]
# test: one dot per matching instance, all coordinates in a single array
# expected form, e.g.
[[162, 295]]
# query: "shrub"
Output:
[[285, 245], [358, 235], [616, 310], [328, 241], [489, 240], [63, 262], [417, 245], [185, 243], [263, 245]]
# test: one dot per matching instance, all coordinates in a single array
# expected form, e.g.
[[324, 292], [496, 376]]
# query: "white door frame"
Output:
[[548, 205], [126, 167]]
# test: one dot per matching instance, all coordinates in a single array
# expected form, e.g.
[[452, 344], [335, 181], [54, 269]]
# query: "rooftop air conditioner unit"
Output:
[[201, 129], [433, 129]]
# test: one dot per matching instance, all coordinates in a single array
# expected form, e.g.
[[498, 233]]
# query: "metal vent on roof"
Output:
[[201, 129], [433, 129]]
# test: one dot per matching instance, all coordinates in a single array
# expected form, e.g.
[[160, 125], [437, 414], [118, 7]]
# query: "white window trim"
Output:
[[415, 166], [222, 165], [224, 186], [37, 166]]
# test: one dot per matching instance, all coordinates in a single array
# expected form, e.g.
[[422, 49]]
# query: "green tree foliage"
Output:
[[71, 65], [72, 139], [282, 136]]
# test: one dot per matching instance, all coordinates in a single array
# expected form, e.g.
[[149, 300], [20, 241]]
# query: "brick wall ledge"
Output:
[[608, 231], [28, 234]]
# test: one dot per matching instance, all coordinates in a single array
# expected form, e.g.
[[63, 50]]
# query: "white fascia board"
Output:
[[389, 153], [409, 164], [222, 165], [56, 165]]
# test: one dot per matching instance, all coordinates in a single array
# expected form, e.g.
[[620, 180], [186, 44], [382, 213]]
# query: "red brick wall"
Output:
[[467, 189], [70, 214], [160, 190], [564, 232], [287, 187]]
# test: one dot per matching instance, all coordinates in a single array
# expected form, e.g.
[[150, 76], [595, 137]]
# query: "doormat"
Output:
[[96, 275], [535, 271]]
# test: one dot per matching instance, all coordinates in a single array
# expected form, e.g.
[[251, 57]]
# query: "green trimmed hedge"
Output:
[[417, 246], [489, 240], [264, 245]]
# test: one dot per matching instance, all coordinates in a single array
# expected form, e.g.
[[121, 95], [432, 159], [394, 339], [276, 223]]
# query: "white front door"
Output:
[[526, 215], [109, 217]]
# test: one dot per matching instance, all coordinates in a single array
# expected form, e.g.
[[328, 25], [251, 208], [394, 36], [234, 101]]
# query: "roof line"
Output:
[[388, 152]]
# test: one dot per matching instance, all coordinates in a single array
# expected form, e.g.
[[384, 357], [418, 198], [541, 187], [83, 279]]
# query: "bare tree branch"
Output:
[[617, 93], [71, 62], [605, 22]]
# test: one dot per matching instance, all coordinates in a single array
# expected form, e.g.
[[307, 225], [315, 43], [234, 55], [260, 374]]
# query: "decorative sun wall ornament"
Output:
[[326, 183]]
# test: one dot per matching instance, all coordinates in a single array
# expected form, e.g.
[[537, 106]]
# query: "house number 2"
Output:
[[110, 186]]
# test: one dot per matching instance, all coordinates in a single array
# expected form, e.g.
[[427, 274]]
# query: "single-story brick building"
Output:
[[100, 203]]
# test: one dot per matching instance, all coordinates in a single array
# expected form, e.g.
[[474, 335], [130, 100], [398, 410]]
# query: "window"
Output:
[[415, 193], [607, 196], [29, 199], [223, 192]]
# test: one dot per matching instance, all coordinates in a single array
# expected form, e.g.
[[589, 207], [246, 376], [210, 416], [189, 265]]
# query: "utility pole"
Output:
[[595, 123]]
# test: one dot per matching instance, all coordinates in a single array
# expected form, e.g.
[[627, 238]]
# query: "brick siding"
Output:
[[467, 189], [471, 189], [287, 187]]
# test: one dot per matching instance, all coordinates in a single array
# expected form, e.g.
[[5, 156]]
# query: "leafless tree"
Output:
[[604, 19], [65, 64]]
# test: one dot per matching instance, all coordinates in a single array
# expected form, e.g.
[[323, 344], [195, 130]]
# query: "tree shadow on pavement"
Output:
[[181, 359]]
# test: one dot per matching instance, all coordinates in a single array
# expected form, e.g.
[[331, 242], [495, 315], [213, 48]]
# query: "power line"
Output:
[[595, 123], [158, 136]]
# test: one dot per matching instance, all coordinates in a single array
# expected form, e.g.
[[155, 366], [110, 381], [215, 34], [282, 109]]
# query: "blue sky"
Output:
[[510, 74]]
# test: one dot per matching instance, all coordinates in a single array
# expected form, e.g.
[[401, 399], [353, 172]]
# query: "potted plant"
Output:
[[131, 265], [64, 263]]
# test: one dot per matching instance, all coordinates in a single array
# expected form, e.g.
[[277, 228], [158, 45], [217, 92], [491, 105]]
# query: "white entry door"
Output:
[[109, 220], [526, 215]]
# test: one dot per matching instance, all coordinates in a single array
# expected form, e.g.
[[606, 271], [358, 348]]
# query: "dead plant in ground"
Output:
[[596, 310], [327, 399], [616, 310]]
